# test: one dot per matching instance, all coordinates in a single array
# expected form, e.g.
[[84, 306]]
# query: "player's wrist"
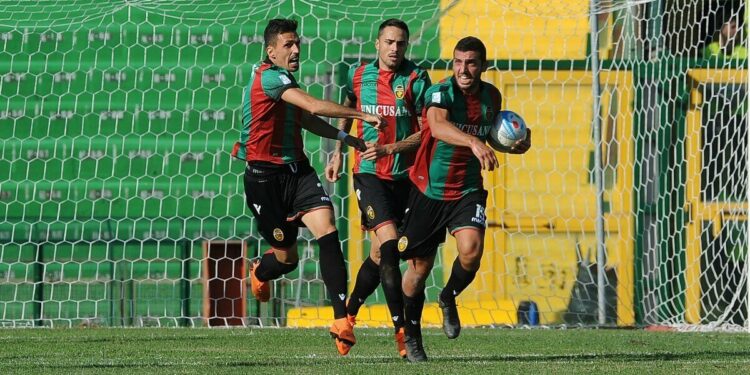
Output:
[[341, 136], [390, 149]]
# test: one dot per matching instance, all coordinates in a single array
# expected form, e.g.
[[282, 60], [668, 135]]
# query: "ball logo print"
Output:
[[508, 128]]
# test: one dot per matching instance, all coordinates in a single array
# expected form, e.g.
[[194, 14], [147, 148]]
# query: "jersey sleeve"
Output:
[[350, 84], [275, 82], [420, 86], [438, 96]]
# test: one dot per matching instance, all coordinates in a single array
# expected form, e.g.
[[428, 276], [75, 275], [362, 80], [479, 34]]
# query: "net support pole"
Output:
[[747, 229], [598, 175], [185, 292], [38, 286]]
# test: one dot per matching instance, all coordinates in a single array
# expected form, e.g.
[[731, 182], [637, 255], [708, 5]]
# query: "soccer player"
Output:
[[447, 190], [393, 87], [282, 190]]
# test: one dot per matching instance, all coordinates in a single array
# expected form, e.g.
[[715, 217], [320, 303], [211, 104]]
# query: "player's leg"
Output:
[[312, 206], [274, 263], [423, 230], [381, 204], [333, 269], [467, 225], [470, 243], [390, 278], [264, 193], [413, 287], [368, 279]]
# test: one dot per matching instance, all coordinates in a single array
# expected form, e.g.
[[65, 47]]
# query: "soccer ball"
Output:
[[508, 128]]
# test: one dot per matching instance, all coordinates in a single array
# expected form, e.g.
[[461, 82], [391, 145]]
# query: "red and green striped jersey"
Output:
[[271, 129], [398, 97], [441, 170]]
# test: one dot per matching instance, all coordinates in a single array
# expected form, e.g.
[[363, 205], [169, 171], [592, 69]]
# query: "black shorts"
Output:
[[426, 220], [380, 201], [278, 196]]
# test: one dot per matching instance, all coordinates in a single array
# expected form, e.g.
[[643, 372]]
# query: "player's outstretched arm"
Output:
[[327, 108], [336, 161], [408, 144], [442, 129], [316, 125]]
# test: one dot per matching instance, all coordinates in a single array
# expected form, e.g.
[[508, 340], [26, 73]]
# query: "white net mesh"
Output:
[[120, 204]]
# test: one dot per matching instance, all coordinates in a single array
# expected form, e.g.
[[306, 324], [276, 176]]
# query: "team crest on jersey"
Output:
[[403, 242], [370, 213], [278, 234], [399, 91]]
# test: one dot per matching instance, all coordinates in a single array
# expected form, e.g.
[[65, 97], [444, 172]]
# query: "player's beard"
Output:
[[392, 62]]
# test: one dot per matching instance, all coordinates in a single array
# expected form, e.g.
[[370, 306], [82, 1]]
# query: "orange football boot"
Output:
[[400, 346], [261, 289], [343, 335]]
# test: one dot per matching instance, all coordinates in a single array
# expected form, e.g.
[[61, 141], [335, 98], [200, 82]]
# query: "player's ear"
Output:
[[270, 52]]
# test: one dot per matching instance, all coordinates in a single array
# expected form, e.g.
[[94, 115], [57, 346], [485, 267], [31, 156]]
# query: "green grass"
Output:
[[302, 351]]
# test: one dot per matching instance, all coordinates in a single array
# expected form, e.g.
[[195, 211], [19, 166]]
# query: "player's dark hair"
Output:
[[471, 43], [278, 26], [394, 22]]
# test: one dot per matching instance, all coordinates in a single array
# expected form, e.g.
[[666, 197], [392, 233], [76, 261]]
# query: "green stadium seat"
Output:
[[16, 124], [49, 42], [35, 160], [11, 41]]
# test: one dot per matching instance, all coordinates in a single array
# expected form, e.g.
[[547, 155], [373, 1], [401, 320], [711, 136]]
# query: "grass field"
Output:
[[302, 351]]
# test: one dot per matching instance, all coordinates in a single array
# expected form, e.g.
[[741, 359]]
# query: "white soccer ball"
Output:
[[508, 129]]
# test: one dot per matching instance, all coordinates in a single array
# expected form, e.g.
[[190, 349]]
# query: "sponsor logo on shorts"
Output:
[[399, 91], [278, 234], [370, 213], [403, 242]]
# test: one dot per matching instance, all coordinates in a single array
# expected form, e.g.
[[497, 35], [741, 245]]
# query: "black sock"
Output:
[[271, 269], [413, 307], [333, 270], [457, 282], [368, 279], [390, 278]]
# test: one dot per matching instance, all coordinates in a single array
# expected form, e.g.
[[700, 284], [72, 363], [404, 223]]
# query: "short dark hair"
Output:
[[471, 43], [278, 26], [395, 22]]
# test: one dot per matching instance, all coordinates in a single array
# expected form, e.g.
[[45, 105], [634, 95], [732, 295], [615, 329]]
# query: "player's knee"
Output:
[[287, 255], [288, 267], [375, 256], [472, 264], [470, 255]]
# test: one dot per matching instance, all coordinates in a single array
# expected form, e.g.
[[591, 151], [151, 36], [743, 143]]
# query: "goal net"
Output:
[[120, 204]]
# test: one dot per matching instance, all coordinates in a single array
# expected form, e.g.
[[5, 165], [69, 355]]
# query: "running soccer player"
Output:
[[447, 191], [393, 87], [282, 190]]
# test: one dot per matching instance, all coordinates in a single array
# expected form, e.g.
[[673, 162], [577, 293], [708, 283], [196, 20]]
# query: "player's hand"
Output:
[[357, 143], [333, 169], [376, 121], [486, 155], [375, 151], [520, 147]]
